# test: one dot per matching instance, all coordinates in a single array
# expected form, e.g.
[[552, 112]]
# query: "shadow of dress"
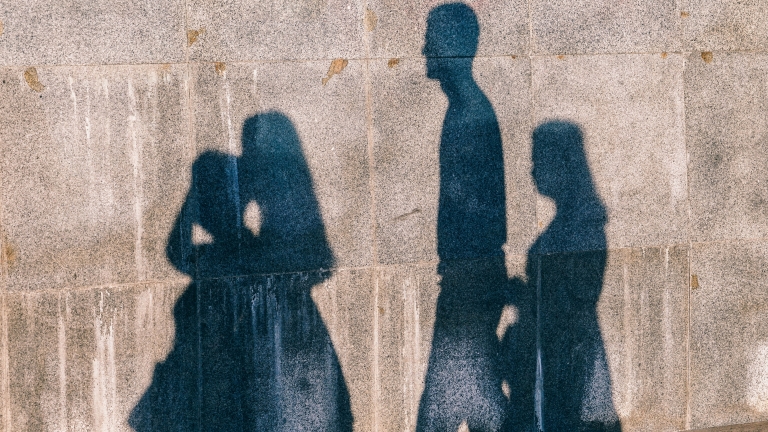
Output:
[[565, 272]]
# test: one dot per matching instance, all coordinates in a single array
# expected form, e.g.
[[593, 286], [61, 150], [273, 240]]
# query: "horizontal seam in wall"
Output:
[[311, 60], [129, 285]]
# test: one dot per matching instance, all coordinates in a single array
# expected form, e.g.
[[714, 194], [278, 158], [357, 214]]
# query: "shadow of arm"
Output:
[[179, 248]]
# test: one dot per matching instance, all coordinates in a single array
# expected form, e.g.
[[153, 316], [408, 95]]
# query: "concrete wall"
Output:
[[106, 106]]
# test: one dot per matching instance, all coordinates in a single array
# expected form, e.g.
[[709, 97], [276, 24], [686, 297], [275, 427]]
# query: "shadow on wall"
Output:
[[465, 370], [251, 352], [565, 270], [548, 370]]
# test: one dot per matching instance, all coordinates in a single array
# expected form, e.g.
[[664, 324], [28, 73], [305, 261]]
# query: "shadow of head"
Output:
[[451, 40], [274, 174], [560, 167]]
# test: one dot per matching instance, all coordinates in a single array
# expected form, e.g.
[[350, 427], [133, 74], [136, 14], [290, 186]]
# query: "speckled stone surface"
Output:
[[710, 25], [89, 33], [629, 110], [82, 359], [726, 129], [400, 25], [729, 343], [329, 123], [586, 26], [207, 202], [245, 30], [95, 166], [406, 153], [643, 315]]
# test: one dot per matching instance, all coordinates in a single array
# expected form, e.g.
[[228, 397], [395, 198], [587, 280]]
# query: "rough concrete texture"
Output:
[[727, 130], [329, 121], [406, 153], [92, 166], [730, 25], [79, 360], [313, 215], [243, 30], [399, 26], [587, 26], [82, 32], [643, 311], [729, 321], [630, 111], [745, 427]]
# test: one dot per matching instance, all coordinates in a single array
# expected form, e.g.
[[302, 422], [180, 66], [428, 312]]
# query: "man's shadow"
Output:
[[465, 370], [548, 369], [251, 353]]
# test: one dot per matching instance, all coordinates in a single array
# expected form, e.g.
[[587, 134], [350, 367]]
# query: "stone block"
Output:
[[72, 32], [398, 27], [94, 169], [714, 25], [80, 360], [244, 30], [5, 403], [643, 317], [408, 114], [405, 316], [592, 27], [285, 107], [346, 304], [623, 355], [729, 334], [747, 427], [727, 135], [627, 113]]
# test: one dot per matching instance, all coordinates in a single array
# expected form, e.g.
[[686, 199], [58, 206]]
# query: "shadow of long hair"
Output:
[[251, 351], [565, 268]]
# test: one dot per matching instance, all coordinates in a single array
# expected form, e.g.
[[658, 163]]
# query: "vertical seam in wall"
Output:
[[681, 25], [539, 380], [369, 134], [185, 40], [372, 194], [5, 396], [530, 28], [4, 363], [689, 229], [531, 104], [690, 250], [538, 396]]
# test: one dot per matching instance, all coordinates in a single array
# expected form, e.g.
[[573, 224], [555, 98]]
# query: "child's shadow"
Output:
[[556, 359]]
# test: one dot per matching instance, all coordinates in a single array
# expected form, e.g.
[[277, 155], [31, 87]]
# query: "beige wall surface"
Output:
[[231, 215]]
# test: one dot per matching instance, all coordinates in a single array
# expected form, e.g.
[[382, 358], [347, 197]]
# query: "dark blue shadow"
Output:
[[465, 371], [565, 269], [548, 370], [251, 351]]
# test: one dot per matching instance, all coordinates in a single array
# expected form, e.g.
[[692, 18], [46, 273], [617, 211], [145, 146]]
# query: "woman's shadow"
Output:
[[251, 350]]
